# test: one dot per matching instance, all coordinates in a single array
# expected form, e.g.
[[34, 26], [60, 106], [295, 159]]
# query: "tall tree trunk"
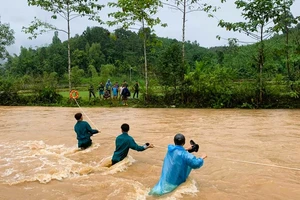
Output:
[[261, 65], [145, 59], [183, 30], [183, 47], [69, 48], [287, 54], [287, 63], [288, 58]]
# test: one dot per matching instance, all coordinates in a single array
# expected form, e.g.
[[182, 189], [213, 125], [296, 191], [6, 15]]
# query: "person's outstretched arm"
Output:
[[195, 162], [90, 130], [136, 147]]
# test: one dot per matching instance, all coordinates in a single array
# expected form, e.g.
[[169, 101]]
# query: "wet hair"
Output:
[[78, 116], [179, 139], [125, 127]]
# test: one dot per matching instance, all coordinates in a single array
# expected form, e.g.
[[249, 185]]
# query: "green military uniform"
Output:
[[84, 133], [124, 142]]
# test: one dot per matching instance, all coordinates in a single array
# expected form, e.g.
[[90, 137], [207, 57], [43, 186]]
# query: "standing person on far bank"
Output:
[[108, 85], [91, 92], [115, 91], [118, 86], [125, 94], [101, 90], [125, 84], [136, 90], [120, 91], [84, 132]]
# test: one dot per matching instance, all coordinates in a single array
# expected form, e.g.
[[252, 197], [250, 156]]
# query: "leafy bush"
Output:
[[48, 95], [8, 92]]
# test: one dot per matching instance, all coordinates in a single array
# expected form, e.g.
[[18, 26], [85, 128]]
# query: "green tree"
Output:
[[97, 35], [171, 71], [67, 10], [93, 74], [107, 71], [258, 16], [186, 7], [209, 85], [137, 12], [77, 75], [6, 38], [57, 56], [80, 59], [26, 62], [95, 56], [284, 22], [128, 46]]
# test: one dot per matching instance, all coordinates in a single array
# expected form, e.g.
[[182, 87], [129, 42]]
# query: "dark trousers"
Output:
[[113, 162], [92, 93], [137, 94], [86, 145]]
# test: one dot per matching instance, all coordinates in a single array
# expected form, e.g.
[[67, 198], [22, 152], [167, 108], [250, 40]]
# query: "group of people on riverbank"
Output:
[[178, 162], [114, 91]]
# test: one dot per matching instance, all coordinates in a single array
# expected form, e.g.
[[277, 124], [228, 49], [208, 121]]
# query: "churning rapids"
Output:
[[252, 154]]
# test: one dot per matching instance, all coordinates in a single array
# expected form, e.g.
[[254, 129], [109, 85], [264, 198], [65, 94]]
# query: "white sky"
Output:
[[198, 27]]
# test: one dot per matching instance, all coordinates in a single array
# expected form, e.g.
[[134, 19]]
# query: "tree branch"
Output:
[[63, 16], [196, 10], [61, 30], [75, 16], [243, 42], [173, 6]]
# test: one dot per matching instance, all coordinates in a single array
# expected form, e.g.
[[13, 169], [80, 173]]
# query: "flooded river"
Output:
[[252, 154]]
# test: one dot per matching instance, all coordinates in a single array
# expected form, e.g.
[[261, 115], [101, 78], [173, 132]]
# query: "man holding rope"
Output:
[[84, 132]]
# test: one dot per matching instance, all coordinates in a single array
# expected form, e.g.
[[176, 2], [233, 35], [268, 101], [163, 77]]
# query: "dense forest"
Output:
[[265, 74]]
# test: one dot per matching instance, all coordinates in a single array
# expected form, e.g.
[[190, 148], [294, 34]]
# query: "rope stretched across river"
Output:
[[219, 158]]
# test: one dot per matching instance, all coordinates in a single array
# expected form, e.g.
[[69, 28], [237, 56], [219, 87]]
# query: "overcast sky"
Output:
[[198, 27]]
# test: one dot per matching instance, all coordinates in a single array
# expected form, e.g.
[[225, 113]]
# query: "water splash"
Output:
[[27, 161], [105, 164], [187, 188]]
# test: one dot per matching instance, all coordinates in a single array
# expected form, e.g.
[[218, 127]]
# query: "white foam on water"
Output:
[[140, 192], [37, 161], [7, 172], [91, 148], [134, 190], [35, 145], [105, 165], [188, 188], [114, 193], [137, 191], [28, 188]]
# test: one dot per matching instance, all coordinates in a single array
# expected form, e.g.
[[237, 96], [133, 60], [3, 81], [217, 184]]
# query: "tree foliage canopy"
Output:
[[6, 38]]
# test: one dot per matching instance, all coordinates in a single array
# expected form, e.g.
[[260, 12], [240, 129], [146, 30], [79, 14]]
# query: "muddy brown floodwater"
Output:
[[252, 154]]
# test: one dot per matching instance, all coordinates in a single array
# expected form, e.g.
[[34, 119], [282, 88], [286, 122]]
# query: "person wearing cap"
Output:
[[124, 142], [177, 166]]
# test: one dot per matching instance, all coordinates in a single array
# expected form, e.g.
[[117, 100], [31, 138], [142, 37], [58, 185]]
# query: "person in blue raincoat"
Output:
[[108, 85], [177, 166]]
